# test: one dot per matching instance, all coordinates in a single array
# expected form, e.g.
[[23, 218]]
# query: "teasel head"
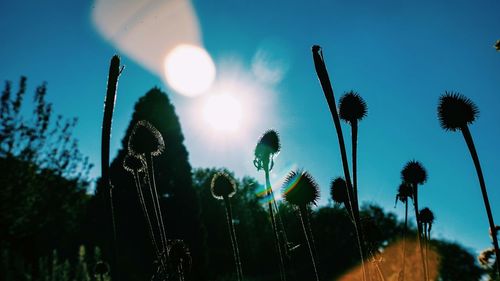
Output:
[[267, 147], [456, 111], [427, 217], [352, 107], [222, 186], [145, 139], [497, 45], [486, 256], [300, 189], [414, 173], [338, 191], [179, 253], [404, 192], [134, 164], [101, 268]]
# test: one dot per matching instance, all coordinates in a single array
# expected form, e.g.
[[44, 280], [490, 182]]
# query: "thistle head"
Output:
[[352, 107], [404, 192], [300, 189], [456, 111], [133, 164], [414, 173], [145, 139], [101, 268], [338, 191], [426, 216], [179, 253], [222, 186], [497, 45], [268, 145]]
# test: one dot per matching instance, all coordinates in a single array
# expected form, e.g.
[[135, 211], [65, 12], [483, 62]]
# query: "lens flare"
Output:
[[223, 113], [189, 70]]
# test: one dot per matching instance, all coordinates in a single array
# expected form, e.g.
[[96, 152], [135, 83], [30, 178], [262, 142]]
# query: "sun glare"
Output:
[[223, 113], [189, 70]]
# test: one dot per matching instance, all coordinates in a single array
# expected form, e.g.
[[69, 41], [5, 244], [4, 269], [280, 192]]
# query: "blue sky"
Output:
[[399, 55]]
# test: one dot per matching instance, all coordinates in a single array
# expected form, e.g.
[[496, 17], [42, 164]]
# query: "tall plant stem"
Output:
[[426, 247], [273, 222], [482, 184], [234, 241], [302, 213], [156, 202], [324, 79], [354, 140], [109, 104], [404, 239], [419, 229]]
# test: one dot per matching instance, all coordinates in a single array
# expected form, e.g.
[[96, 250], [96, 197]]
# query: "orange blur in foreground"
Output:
[[389, 264]]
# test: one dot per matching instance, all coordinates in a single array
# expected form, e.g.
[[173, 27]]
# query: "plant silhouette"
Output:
[[404, 193], [266, 149], [322, 73], [301, 190], [180, 258], [457, 112], [223, 187], [427, 220], [109, 104], [414, 174]]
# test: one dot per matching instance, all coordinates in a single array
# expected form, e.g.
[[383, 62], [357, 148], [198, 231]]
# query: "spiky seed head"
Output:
[[269, 144], [133, 164], [497, 45], [222, 185], [101, 268], [338, 191], [414, 173], [300, 189], [352, 107], [456, 111], [178, 252], [486, 256], [404, 192], [426, 216], [145, 138]]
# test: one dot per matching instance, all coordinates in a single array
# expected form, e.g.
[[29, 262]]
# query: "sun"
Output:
[[223, 113], [189, 70]]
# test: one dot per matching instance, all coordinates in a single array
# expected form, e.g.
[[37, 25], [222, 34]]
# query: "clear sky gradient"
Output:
[[399, 55]]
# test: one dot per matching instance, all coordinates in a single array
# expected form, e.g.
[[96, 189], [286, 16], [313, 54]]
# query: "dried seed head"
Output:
[[269, 144], [414, 173], [486, 256], [404, 192], [145, 138], [456, 111], [133, 163], [352, 107], [101, 268], [222, 185], [179, 253], [426, 216], [300, 189], [338, 191]]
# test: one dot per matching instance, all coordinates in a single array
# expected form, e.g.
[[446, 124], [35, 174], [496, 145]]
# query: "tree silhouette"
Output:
[[456, 112]]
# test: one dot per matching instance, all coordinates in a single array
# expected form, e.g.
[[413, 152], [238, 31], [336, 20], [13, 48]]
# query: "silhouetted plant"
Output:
[[267, 147], [338, 192], [101, 269], [324, 79], [180, 258], [109, 104], [145, 142], [456, 112], [301, 190], [497, 45], [223, 187], [414, 174], [404, 193], [352, 108], [426, 219]]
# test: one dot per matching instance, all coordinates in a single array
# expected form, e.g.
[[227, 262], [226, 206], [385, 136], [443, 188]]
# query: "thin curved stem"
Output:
[[303, 212], [472, 149], [354, 140], [234, 241], [273, 223]]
